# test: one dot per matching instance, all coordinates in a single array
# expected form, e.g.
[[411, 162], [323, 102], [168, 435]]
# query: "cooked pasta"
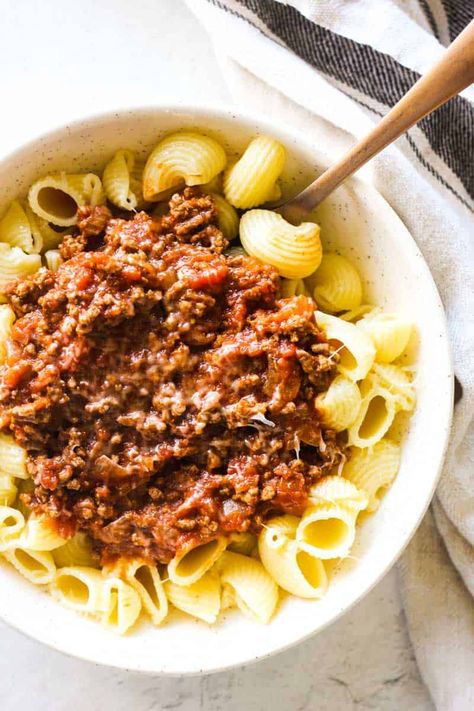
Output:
[[389, 332], [386, 391], [14, 263], [40, 535], [8, 490], [251, 180], [183, 158], [53, 259], [188, 566], [256, 593], [356, 350], [244, 543], [80, 588], [373, 469], [241, 341], [56, 198], [227, 217], [118, 181], [12, 522], [293, 569], [202, 599], [36, 566], [16, 230], [327, 530], [7, 319], [77, 551], [339, 405], [121, 606], [294, 251], [336, 489], [12, 457], [336, 284], [145, 580]]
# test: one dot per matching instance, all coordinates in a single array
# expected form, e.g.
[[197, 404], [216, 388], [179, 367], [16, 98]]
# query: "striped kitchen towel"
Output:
[[331, 68]]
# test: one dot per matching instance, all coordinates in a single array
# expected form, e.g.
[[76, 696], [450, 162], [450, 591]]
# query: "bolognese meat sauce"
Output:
[[163, 391]]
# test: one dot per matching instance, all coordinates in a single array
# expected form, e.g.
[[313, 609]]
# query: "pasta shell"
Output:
[[53, 259], [256, 593], [327, 530], [356, 350], [145, 579], [336, 284], [227, 217], [339, 405], [36, 566], [184, 158], [12, 523], [294, 570], [202, 599], [76, 551], [40, 535], [122, 605], [373, 469], [14, 263], [390, 334], [8, 490], [294, 251], [12, 457], [80, 588], [56, 198], [189, 565], [338, 490], [251, 181], [16, 230], [7, 319]]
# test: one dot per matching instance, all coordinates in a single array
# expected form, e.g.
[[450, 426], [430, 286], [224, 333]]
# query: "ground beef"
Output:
[[163, 391]]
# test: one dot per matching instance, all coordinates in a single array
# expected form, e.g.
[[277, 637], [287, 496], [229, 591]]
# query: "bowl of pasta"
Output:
[[215, 426]]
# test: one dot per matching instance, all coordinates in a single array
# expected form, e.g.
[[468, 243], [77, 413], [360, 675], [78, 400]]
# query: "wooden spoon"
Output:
[[453, 73]]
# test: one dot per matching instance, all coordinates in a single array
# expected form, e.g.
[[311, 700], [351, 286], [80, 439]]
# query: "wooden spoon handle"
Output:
[[453, 73]]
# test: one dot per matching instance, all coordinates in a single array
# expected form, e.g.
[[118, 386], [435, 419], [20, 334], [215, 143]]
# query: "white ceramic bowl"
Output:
[[358, 222]]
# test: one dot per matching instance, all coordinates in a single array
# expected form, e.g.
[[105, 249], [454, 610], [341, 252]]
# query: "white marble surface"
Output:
[[62, 58]]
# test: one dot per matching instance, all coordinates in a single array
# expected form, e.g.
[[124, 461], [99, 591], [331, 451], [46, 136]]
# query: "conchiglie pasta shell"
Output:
[[12, 523], [76, 551], [251, 181], [145, 580], [40, 535], [338, 490], [56, 198], [12, 457], [189, 565], [7, 319], [36, 566], [80, 588], [16, 230], [354, 315], [227, 217], [376, 414], [8, 490], [184, 158], [14, 263], [121, 606], [398, 383], [327, 530], [373, 469], [336, 284], [243, 543], [294, 570], [256, 593], [202, 599], [339, 405], [116, 180], [358, 352], [390, 334], [294, 251]]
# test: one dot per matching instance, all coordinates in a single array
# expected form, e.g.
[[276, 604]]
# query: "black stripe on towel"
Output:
[[449, 130]]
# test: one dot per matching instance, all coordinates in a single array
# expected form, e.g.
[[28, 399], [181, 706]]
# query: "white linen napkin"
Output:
[[331, 68]]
